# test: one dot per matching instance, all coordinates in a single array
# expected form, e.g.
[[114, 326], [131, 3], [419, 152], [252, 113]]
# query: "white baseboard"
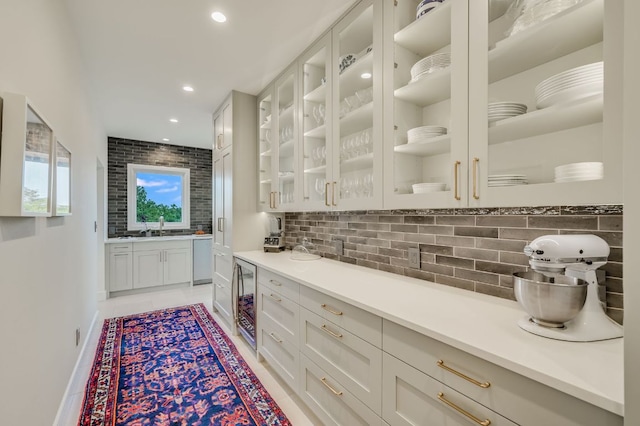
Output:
[[101, 296], [65, 397]]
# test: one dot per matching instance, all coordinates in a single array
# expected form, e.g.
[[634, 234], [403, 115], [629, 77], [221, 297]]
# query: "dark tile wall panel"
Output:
[[124, 151], [473, 249]]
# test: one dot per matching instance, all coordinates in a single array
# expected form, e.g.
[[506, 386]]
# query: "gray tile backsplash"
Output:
[[124, 151], [474, 249]]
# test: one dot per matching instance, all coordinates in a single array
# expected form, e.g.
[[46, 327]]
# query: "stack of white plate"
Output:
[[535, 11], [430, 64], [507, 180], [425, 6], [579, 171], [572, 84], [502, 110], [419, 134], [421, 188]]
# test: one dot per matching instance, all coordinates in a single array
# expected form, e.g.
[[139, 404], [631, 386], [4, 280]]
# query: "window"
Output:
[[155, 191]]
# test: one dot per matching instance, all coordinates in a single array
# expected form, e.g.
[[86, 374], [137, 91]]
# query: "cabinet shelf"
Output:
[[266, 153], [350, 77], [357, 119], [266, 125], [428, 90], [286, 115], [318, 95], [317, 132], [286, 148], [427, 34], [573, 29], [358, 163], [266, 181], [432, 146], [568, 115], [317, 170]]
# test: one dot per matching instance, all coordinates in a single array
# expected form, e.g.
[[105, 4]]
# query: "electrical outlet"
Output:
[[77, 336], [414, 257], [339, 244]]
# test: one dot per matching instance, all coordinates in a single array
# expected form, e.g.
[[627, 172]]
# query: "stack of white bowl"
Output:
[[430, 64], [421, 188], [535, 11], [571, 84], [501, 110], [579, 171], [419, 134], [426, 6], [507, 180]]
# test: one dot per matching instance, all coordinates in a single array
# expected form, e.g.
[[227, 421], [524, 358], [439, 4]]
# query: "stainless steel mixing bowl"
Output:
[[551, 301]]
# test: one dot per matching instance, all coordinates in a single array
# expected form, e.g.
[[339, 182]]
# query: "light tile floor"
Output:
[[295, 410]]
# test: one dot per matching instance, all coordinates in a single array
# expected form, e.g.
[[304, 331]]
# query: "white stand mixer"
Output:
[[575, 256]]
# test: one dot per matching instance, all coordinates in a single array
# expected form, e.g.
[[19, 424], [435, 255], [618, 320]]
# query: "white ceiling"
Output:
[[139, 53]]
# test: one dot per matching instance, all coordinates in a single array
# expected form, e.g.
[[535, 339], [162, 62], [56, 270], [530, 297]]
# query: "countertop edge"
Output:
[[600, 400], [163, 238]]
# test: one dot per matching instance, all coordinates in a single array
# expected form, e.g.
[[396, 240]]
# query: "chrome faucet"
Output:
[[161, 225]]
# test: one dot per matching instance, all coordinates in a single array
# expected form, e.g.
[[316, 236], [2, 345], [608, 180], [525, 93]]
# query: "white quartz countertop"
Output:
[[163, 238], [482, 325]]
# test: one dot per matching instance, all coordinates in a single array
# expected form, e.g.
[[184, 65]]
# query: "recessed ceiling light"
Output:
[[165, 139], [187, 88], [218, 17], [173, 120], [365, 75]]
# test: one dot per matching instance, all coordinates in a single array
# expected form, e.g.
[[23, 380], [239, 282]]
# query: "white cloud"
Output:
[[163, 190], [150, 183]]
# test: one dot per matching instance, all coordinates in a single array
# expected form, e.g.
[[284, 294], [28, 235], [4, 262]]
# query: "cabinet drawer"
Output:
[[286, 287], [280, 353], [120, 247], [282, 312], [333, 404], [222, 301], [516, 397], [355, 363], [359, 322], [411, 398], [161, 245]]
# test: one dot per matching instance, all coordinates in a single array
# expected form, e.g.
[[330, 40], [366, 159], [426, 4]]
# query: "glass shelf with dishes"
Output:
[[265, 158], [426, 69], [286, 99], [545, 109]]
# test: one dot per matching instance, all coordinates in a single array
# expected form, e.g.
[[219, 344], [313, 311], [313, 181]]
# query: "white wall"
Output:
[[48, 266], [631, 223]]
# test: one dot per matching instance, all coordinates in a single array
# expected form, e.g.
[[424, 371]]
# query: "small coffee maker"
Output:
[[274, 242]]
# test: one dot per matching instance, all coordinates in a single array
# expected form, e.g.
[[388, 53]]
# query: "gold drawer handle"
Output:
[[465, 413], [328, 309], [274, 282], [336, 335], [273, 336], [277, 299], [459, 374], [335, 392]]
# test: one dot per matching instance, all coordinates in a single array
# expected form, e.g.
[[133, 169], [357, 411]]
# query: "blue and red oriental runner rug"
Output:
[[173, 367]]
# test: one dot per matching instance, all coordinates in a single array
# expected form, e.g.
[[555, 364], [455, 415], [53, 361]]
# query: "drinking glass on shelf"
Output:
[[320, 186]]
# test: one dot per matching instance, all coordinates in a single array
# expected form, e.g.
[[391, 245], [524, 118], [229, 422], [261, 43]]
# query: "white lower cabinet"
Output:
[[120, 267], [411, 398], [222, 301], [280, 353], [331, 402]]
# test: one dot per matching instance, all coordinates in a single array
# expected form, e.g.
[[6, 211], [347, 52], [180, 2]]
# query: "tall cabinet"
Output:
[[236, 223]]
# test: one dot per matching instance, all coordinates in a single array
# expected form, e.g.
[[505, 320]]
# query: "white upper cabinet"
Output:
[[265, 157], [426, 104]]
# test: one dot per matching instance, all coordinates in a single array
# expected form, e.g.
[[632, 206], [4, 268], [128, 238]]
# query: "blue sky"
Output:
[[162, 188]]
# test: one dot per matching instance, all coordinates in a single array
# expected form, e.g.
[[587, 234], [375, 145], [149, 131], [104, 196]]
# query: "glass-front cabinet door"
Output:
[[357, 108], [315, 126], [285, 136], [544, 102], [426, 114], [266, 198]]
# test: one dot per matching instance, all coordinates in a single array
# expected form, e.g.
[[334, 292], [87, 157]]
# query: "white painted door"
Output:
[[120, 271], [177, 266], [148, 268]]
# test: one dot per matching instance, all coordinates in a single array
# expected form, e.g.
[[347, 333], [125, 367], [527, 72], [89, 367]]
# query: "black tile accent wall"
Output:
[[473, 249], [124, 151]]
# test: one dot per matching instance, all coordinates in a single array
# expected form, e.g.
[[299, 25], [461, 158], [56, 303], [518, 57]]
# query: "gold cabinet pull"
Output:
[[271, 200], [333, 194], [335, 392], [274, 282], [218, 141], [220, 224], [273, 336], [326, 194], [326, 330], [328, 309], [464, 376], [456, 186], [465, 413], [277, 299], [476, 160]]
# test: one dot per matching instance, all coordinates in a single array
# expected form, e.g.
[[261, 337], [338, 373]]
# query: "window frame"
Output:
[[132, 195]]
